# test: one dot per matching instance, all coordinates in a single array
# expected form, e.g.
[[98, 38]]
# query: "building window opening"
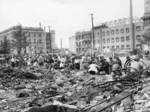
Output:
[[138, 28], [107, 32], [79, 43], [117, 39], [76, 37], [39, 34], [112, 40], [117, 47], [122, 30], [127, 38], [77, 49], [138, 37], [127, 30], [122, 39], [76, 43], [40, 41], [108, 40], [122, 46], [103, 40], [128, 46], [117, 31], [29, 35], [112, 32], [103, 33]]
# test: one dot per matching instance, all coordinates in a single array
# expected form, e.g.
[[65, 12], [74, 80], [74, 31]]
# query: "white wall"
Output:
[[72, 44]]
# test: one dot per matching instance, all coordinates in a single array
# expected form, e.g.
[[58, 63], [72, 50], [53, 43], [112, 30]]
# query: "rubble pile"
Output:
[[70, 91]]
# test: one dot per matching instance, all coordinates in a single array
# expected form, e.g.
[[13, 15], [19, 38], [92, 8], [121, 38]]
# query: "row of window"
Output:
[[35, 48], [39, 41], [117, 31], [109, 47], [104, 47], [85, 36], [117, 39], [112, 40], [112, 32], [78, 37], [85, 43], [81, 49], [138, 37], [34, 34], [48, 47], [117, 47]]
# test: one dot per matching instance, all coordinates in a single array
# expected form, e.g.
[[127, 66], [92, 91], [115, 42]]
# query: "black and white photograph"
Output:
[[74, 55]]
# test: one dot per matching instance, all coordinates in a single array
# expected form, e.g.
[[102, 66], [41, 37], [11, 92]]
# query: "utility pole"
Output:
[[40, 25], [61, 45], [92, 40], [50, 40], [132, 27]]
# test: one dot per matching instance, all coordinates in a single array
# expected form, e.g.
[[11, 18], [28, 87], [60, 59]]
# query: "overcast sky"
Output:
[[64, 16]]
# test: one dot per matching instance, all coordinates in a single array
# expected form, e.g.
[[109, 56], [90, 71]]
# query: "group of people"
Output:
[[93, 65], [115, 67], [103, 66]]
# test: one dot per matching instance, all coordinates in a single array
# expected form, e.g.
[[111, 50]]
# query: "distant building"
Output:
[[72, 44], [146, 17], [83, 41], [146, 20], [98, 36], [50, 42], [113, 36], [36, 37], [119, 37]]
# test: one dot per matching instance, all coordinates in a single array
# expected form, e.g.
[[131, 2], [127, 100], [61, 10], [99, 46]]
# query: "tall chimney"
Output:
[[40, 24], [61, 43], [44, 29], [132, 27]]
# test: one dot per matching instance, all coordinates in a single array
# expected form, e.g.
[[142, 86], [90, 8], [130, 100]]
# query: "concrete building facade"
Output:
[[36, 38], [83, 41], [146, 20], [112, 36], [119, 37], [50, 42], [72, 44], [146, 17]]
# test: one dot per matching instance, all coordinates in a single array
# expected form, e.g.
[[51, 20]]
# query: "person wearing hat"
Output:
[[116, 73], [111, 61], [128, 61], [93, 68], [136, 65], [77, 63], [119, 61]]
